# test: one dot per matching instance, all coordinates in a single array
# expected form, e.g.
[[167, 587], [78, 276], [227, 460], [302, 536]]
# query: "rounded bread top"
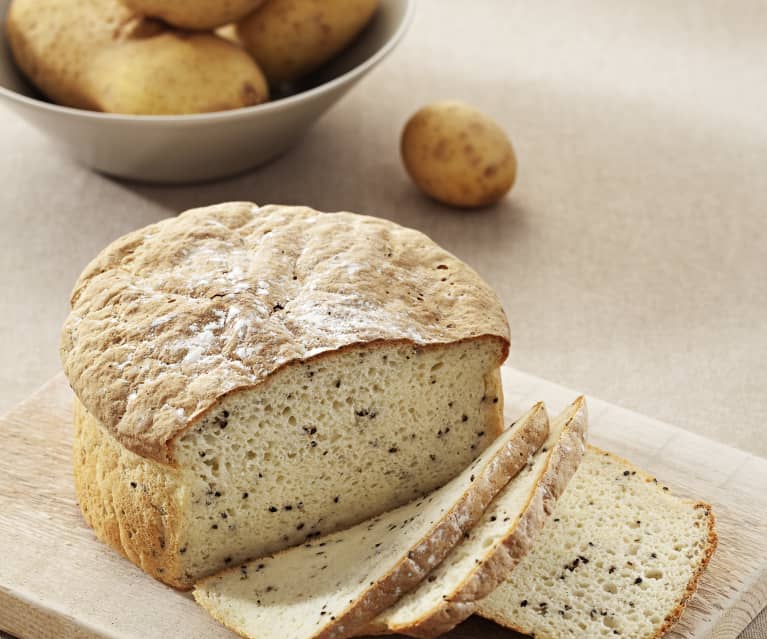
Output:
[[169, 318]]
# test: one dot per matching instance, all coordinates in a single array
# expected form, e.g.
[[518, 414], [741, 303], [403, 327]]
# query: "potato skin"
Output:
[[173, 74], [457, 155], [97, 55], [290, 38], [194, 14]]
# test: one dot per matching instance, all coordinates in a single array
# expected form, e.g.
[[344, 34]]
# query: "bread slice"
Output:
[[620, 558], [334, 585], [249, 377], [506, 532]]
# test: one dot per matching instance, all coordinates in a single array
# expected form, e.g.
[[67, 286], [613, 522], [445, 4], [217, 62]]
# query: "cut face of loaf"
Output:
[[330, 587], [319, 446], [620, 558]]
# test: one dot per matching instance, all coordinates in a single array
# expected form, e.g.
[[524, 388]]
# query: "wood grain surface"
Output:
[[58, 581]]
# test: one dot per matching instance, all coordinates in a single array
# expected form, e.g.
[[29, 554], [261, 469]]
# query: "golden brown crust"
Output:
[[130, 502], [170, 318]]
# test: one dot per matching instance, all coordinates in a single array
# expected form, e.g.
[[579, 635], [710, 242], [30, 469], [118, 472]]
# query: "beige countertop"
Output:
[[630, 255]]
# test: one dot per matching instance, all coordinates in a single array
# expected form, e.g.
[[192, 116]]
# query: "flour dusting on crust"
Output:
[[169, 318]]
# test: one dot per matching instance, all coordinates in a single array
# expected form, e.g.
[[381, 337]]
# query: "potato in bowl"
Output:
[[290, 38], [201, 146], [194, 14], [98, 55]]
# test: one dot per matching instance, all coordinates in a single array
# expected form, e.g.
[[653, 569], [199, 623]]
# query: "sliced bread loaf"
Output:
[[250, 377], [620, 557], [504, 534], [334, 585]]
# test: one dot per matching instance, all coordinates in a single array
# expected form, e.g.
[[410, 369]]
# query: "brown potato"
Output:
[[458, 155], [97, 55], [194, 14], [290, 38]]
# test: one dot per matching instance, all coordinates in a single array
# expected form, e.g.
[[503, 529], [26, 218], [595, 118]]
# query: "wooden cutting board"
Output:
[[57, 581]]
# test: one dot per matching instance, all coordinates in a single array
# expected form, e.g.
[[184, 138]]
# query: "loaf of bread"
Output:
[[496, 544], [332, 586], [620, 558], [101, 56], [249, 378]]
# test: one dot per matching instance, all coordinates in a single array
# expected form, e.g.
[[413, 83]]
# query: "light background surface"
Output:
[[631, 255]]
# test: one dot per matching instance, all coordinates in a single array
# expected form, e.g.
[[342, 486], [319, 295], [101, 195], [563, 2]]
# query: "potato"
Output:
[[97, 55], [458, 155], [290, 38], [194, 14]]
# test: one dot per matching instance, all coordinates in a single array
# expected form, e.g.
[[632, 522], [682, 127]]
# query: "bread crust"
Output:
[[673, 616], [493, 569], [152, 343], [129, 504]]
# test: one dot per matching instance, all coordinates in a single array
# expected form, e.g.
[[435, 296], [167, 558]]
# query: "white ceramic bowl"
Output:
[[189, 148]]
